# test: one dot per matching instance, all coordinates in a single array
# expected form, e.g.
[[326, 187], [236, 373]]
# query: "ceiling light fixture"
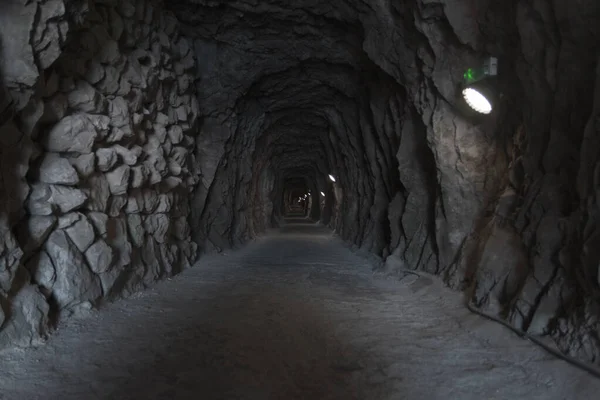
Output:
[[332, 178], [322, 194], [478, 91]]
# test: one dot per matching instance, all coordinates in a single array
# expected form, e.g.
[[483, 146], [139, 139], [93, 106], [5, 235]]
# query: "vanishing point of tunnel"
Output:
[[266, 199]]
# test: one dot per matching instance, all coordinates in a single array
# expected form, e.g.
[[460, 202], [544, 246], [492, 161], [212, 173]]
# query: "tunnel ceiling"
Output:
[[137, 135], [301, 68]]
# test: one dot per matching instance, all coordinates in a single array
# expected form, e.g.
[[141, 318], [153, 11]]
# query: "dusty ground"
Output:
[[294, 315]]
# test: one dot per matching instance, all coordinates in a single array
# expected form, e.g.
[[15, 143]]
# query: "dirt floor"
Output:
[[294, 315]]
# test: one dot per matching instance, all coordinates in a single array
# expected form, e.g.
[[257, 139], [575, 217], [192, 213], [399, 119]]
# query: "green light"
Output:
[[472, 75]]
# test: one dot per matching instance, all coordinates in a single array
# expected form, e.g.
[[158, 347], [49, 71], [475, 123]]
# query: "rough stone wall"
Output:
[[537, 261], [514, 208], [96, 158], [503, 207]]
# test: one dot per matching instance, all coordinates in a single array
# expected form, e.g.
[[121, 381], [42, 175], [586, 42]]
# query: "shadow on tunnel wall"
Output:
[[13, 165], [276, 346]]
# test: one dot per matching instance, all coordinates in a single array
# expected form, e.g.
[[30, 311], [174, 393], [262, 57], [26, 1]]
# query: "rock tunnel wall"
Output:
[[502, 207], [97, 156]]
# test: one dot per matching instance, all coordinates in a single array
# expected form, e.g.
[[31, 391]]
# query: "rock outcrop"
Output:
[[95, 192], [137, 134]]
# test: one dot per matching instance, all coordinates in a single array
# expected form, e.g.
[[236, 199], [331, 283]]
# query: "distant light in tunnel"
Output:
[[322, 194], [332, 178]]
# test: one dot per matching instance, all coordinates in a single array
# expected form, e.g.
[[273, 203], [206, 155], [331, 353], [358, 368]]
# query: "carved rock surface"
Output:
[[57, 170], [83, 86], [99, 256], [194, 126], [75, 283], [504, 206], [74, 133]]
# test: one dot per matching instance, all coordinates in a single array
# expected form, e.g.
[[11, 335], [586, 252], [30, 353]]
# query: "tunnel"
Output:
[[142, 141]]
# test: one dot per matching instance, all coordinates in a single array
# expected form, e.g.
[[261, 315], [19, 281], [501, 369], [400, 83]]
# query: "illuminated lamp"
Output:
[[331, 178], [322, 194], [478, 90]]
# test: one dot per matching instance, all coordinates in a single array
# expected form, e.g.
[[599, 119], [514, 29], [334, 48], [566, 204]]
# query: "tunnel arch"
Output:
[[138, 136]]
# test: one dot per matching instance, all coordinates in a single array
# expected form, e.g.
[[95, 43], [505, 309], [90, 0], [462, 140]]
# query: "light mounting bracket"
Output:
[[489, 67]]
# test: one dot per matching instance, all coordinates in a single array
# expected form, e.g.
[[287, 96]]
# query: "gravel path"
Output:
[[294, 315]]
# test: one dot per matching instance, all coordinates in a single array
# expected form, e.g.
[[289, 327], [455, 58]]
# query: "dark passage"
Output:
[[452, 144]]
